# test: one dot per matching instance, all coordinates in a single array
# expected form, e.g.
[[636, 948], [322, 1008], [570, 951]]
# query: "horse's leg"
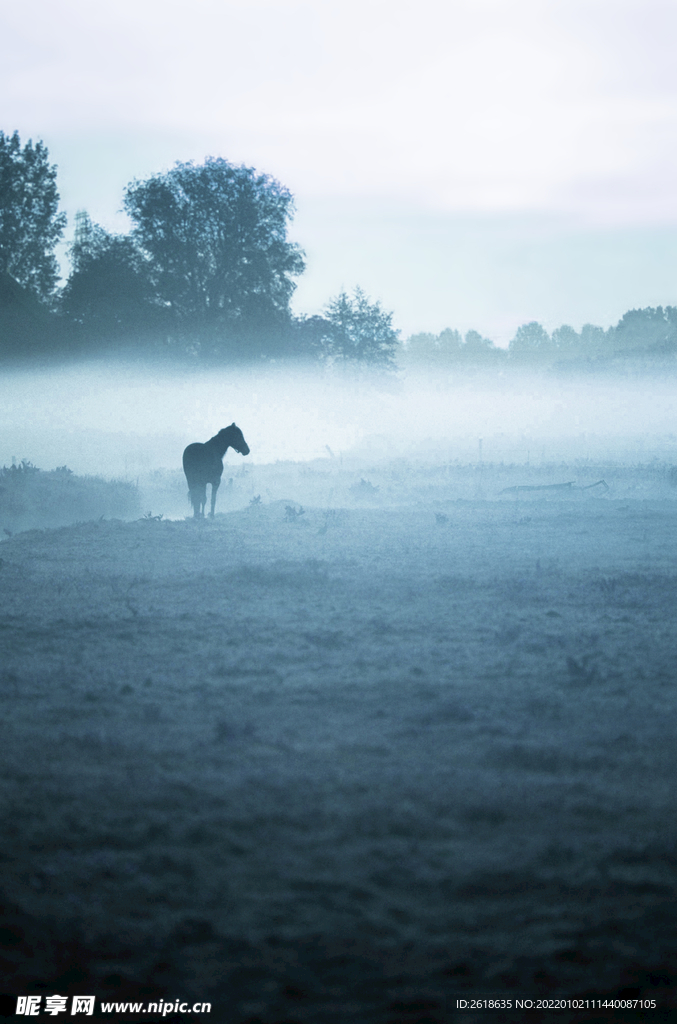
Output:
[[215, 487], [201, 502]]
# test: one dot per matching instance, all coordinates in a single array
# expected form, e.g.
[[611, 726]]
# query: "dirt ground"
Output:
[[347, 762]]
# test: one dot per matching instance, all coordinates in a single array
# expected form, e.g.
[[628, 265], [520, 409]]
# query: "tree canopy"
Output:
[[650, 330], [358, 330], [215, 236], [531, 341], [448, 348], [108, 295], [30, 224]]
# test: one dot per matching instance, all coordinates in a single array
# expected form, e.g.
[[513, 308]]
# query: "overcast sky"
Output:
[[470, 163]]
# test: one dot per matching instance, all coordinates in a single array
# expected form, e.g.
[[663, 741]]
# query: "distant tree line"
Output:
[[639, 334], [207, 271], [450, 348]]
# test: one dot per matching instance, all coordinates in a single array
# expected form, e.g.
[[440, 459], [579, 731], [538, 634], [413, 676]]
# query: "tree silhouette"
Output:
[[313, 337], [566, 341], [30, 224], [109, 295], [480, 350], [433, 350], [448, 348], [360, 330], [531, 342], [215, 236], [650, 330]]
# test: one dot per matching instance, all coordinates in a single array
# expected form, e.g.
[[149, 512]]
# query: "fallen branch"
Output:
[[537, 487], [602, 482], [570, 485]]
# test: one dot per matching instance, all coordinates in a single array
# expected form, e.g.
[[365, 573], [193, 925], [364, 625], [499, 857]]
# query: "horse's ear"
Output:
[[232, 424]]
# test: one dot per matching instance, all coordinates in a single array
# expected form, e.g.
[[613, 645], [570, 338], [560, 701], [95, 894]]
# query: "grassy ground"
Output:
[[350, 764]]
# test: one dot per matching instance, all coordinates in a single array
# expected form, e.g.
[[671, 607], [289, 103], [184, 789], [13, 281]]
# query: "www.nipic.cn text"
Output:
[[33, 1006]]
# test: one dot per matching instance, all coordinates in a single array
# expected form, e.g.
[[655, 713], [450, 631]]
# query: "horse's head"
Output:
[[235, 439]]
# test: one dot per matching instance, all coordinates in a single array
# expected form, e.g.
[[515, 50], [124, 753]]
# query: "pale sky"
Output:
[[470, 163]]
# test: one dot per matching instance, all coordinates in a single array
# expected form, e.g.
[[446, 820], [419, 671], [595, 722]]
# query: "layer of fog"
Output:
[[122, 421]]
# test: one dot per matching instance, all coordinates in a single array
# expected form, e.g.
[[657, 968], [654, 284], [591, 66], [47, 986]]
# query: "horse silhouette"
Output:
[[203, 464]]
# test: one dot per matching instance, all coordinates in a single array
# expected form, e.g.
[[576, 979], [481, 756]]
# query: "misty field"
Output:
[[349, 760]]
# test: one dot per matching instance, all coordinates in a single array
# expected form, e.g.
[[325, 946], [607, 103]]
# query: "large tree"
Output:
[[216, 240], [30, 224], [108, 295]]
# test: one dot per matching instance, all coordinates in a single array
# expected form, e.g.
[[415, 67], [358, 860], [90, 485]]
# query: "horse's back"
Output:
[[201, 464], [191, 454]]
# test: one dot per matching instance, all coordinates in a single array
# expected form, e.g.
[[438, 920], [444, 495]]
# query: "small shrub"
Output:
[[365, 489]]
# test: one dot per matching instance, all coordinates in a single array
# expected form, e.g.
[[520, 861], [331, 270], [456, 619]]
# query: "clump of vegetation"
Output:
[[23, 469], [31, 498], [292, 514], [364, 489]]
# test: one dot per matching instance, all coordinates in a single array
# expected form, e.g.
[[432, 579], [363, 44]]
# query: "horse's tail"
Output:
[[197, 495]]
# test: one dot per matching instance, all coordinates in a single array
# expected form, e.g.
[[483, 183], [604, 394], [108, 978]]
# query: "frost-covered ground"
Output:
[[413, 744]]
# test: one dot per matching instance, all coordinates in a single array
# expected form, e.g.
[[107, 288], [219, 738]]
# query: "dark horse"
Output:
[[203, 464]]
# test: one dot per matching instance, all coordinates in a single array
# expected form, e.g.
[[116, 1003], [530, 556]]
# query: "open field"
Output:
[[411, 745]]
